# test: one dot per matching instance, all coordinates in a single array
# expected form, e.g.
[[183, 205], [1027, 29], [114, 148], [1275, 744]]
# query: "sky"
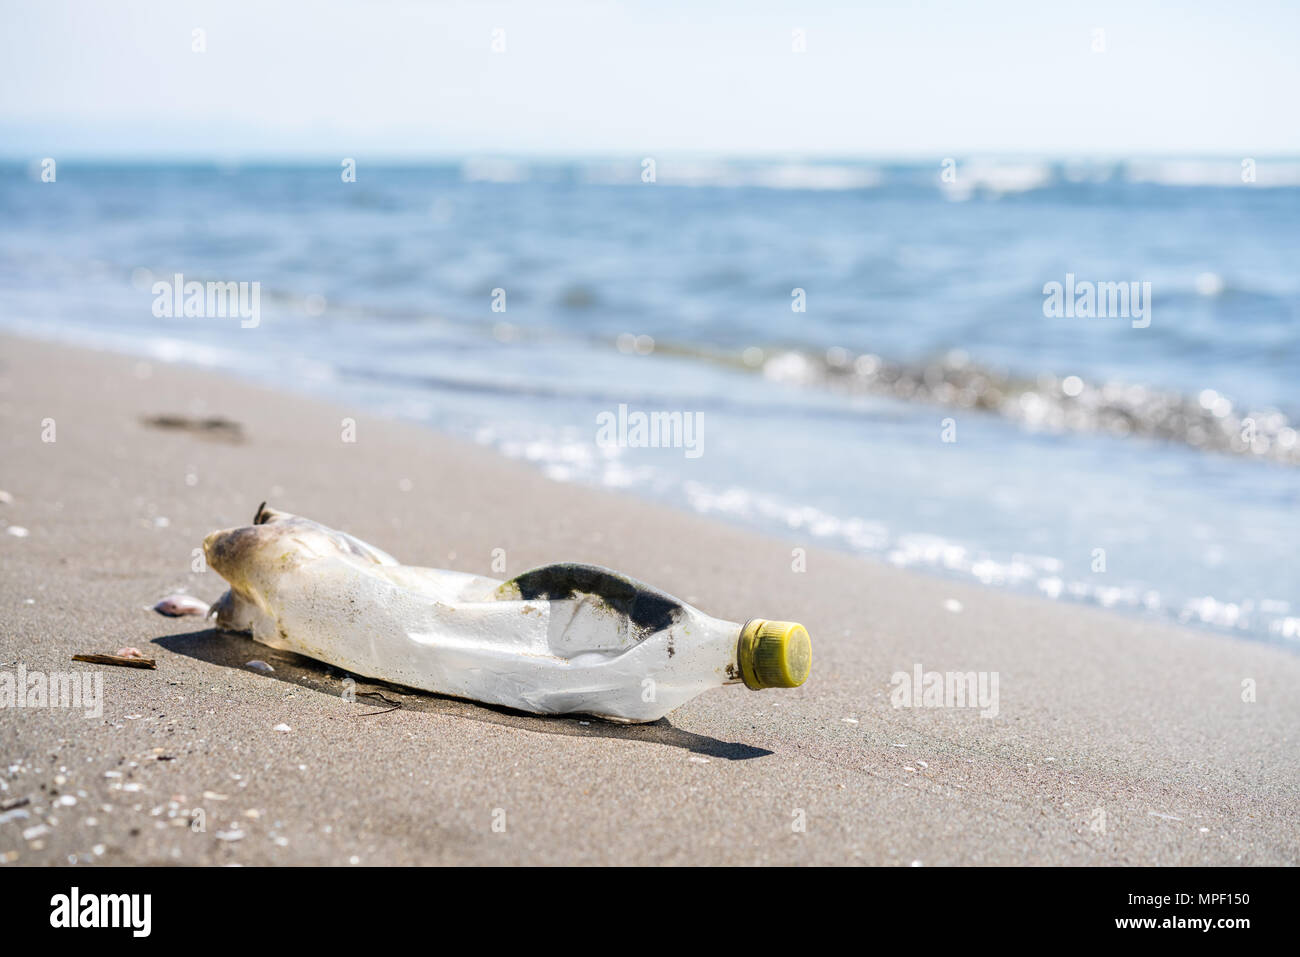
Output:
[[122, 78]]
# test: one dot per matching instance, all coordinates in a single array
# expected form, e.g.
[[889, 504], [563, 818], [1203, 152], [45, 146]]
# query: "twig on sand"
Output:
[[124, 661], [380, 696], [214, 427]]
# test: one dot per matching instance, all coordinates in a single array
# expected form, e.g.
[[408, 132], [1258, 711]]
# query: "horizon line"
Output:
[[418, 156]]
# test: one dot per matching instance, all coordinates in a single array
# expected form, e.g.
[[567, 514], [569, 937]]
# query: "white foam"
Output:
[[1212, 172]]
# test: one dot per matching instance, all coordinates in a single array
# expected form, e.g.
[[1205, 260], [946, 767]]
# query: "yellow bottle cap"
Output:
[[774, 654]]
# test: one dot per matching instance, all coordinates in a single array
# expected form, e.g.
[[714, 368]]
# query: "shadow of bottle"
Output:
[[375, 698]]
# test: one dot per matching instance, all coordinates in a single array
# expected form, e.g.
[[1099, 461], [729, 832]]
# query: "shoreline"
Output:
[[1140, 720], [1192, 614]]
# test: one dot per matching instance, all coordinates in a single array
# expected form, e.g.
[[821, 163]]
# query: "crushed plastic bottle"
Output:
[[559, 639]]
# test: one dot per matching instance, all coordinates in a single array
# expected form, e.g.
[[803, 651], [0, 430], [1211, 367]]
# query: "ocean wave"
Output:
[[730, 175], [958, 178], [1215, 173], [572, 459], [998, 179], [1207, 421]]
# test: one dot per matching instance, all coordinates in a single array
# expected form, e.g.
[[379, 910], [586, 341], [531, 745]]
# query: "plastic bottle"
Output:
[[559, 639]]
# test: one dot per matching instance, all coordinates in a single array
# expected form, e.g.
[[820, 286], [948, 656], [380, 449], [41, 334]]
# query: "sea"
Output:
[[1073, 378]]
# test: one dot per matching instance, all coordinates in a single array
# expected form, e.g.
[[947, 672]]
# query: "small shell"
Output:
[[176, 606], [130, 652], [257, 664]]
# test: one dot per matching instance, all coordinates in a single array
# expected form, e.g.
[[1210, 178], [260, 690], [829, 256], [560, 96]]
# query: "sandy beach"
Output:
[[1116, 741]]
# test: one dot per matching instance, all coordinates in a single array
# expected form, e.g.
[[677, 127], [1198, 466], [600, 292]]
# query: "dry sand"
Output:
[[1098, 714]]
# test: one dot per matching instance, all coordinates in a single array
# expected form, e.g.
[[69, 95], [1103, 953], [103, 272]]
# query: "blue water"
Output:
[[676, 296]]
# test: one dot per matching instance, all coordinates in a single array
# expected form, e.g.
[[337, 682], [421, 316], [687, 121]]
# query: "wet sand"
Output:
[[1117, 741]]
